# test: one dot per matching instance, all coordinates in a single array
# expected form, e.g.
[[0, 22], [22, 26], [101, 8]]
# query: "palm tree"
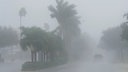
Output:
[[33, 39], [68, 20], [44, 43], [22, 13]]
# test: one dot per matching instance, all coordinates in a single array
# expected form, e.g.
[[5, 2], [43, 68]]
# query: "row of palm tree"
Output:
[[68, 21], [48, 46]]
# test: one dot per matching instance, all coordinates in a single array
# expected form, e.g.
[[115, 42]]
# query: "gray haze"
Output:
[[96, 15]]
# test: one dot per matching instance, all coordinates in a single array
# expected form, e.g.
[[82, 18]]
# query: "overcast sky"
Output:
[[96, 15]]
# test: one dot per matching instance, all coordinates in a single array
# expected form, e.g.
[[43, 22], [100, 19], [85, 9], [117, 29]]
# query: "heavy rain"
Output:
[[63, 36]]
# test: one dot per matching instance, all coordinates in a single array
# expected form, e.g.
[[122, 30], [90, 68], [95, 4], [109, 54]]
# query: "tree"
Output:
[[124, 27], [22, 13], [34, 39], [112, 41], [8, 37], [37, 40], [68, 21]]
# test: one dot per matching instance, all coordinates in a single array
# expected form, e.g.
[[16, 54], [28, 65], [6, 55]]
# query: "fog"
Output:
[[46, 35], [95, 15]]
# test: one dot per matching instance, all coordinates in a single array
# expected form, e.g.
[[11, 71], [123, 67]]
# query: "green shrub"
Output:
[[33, 66]]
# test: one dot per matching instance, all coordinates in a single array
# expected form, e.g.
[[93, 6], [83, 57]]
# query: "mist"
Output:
[[63, 35]]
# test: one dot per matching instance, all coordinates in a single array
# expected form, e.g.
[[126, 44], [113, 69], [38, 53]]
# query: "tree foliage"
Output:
[[67, 18], [36, 40], [8, 37], [112, 42], [111, 39], [33, 36], [22, 12], [124, 31]]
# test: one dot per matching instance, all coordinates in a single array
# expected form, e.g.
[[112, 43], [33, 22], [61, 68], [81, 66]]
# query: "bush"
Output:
[[33, 66]]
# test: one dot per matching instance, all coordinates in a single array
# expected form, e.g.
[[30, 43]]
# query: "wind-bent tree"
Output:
[[33, 39], [68, 20], [45, 44]]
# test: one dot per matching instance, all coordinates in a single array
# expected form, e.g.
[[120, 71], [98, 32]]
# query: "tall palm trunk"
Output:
[[32, 56], [35, 57], [20, 21], [66, 38]]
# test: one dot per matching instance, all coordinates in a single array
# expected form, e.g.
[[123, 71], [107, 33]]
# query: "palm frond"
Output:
[[126, 16], [52, 9]]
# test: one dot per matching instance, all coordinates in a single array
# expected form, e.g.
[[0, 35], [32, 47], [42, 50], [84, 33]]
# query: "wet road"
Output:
[[73, 67], [11, 66], [89, 67]]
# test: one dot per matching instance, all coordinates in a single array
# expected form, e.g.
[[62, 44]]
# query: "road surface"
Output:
[[72, 67]]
